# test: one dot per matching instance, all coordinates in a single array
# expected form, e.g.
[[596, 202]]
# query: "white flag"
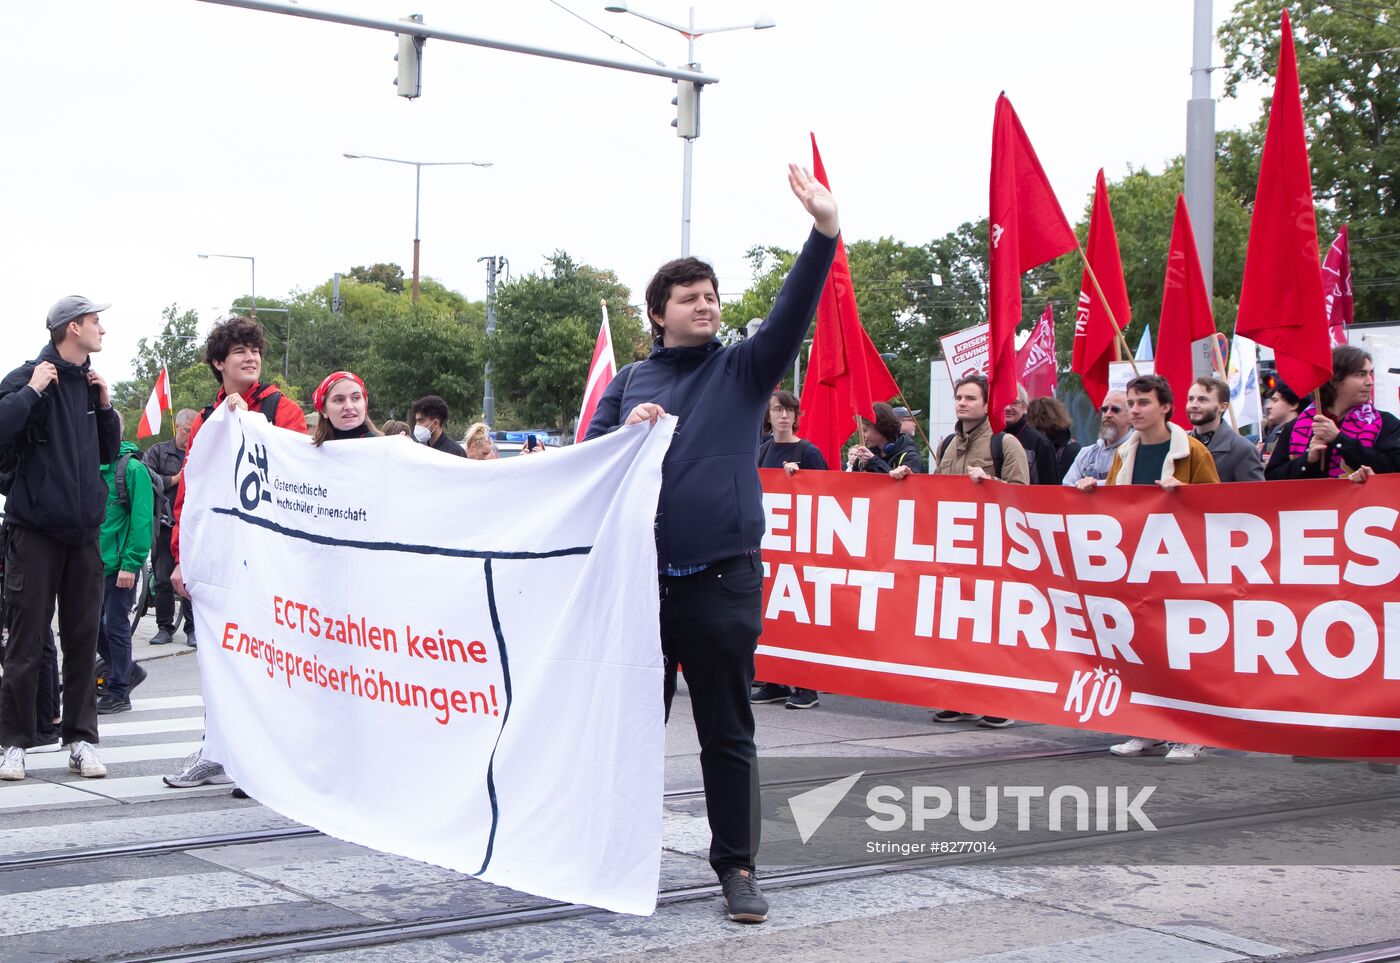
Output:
[[1244, 382]]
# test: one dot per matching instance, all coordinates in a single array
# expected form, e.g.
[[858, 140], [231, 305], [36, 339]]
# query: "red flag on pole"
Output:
[[1186, 315], [1094, 340], [1336, 286], [846, 375], [1281, 299], [600, 375], [1035, 360], [158, 402], [1026, 228]]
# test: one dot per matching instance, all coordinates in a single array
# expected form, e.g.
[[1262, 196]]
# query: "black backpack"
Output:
[[267, 407], [32, 435], [119, 469], [998, 452]]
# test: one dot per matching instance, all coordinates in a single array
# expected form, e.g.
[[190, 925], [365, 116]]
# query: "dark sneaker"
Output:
[[742, 899], [110, 703], [771, 692], [953, 715], [803, 699], [189, 638], [197, 771], [163, 637], [995, 722], [239, 793]]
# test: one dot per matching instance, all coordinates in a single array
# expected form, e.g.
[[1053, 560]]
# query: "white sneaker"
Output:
[[82, 759], [197, 771], [1138, 746], [12, 769], [1184, 752]]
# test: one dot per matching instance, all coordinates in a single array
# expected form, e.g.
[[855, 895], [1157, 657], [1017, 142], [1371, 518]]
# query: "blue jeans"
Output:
[[114, 636]]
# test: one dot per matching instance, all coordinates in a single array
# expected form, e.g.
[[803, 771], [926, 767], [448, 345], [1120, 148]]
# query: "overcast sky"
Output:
[[141, 133]]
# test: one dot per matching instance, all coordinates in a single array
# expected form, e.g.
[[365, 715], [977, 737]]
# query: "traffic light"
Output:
[[687, 104], [1268, 379], [410, 59]]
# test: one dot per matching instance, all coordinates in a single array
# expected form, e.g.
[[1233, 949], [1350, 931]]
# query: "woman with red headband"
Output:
[[343, 405]]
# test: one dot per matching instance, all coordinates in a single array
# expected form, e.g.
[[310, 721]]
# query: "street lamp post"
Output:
[[253, 264], [417, 191], [690, 33]]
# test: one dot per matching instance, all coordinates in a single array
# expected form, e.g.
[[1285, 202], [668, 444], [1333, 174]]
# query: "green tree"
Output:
[[387, 276], [546, 326], [1349, 70]]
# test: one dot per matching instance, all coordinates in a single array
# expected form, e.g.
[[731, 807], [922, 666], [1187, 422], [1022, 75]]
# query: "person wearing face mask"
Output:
[[430, 426], [343, 405], [1094, 461]]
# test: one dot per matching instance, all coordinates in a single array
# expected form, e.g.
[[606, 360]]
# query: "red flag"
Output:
[[1281, 300], [158, 402], [600, 375], [1336, 286], [1026, 228], [1186, 315], [1094, 339], [846, 374], [1035, 360]]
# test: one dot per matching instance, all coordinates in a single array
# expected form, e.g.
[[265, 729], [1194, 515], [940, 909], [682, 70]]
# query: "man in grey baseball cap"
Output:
[[56, 417], [72, 308]]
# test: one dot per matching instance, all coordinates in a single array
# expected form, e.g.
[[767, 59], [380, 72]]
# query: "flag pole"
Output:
[[917, 427], [1219, 363], [1117, 331]]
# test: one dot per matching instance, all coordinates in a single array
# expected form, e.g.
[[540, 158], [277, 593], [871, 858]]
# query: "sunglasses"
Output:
[[1116, 409]]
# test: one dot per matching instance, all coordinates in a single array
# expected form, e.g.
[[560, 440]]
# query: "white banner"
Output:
[[966, 351], [451, 660]]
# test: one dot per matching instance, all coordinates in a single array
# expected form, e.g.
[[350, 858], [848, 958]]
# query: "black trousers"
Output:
[[710, 622], [162, 564], [38, 568]]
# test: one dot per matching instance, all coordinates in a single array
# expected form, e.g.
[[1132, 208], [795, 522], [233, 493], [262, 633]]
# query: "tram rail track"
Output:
[[386, 934], [254, 837]]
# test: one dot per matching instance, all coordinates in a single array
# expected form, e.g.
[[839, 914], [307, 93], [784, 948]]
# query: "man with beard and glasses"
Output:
[[1094, 461]]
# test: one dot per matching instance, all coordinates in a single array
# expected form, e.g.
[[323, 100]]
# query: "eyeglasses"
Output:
[[1116, 409]]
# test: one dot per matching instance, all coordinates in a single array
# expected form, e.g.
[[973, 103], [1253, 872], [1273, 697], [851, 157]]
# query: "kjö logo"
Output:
[[1103, 696]]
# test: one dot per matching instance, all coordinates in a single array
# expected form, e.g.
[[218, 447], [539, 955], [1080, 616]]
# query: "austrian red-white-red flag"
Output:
[[600, 375], [158, 402]]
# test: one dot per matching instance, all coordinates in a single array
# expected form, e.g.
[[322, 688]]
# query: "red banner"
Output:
[[1209, 615]]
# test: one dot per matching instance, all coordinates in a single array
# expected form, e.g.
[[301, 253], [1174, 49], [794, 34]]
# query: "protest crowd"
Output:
[[86, 508]]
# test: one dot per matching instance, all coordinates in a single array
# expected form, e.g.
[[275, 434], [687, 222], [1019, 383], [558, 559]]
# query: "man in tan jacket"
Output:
[[971, 448], [974, 450]]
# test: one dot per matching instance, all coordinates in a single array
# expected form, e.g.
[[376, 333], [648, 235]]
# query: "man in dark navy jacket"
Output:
[[710, 514], [56, 419]]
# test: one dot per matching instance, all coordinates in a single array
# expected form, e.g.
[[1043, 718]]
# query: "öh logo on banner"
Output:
[[1103, 695], [250, 475]]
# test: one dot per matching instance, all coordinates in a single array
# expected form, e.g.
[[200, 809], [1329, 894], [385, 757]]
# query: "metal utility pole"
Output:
[[1200, 143], [687, 99], [495, 264]]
